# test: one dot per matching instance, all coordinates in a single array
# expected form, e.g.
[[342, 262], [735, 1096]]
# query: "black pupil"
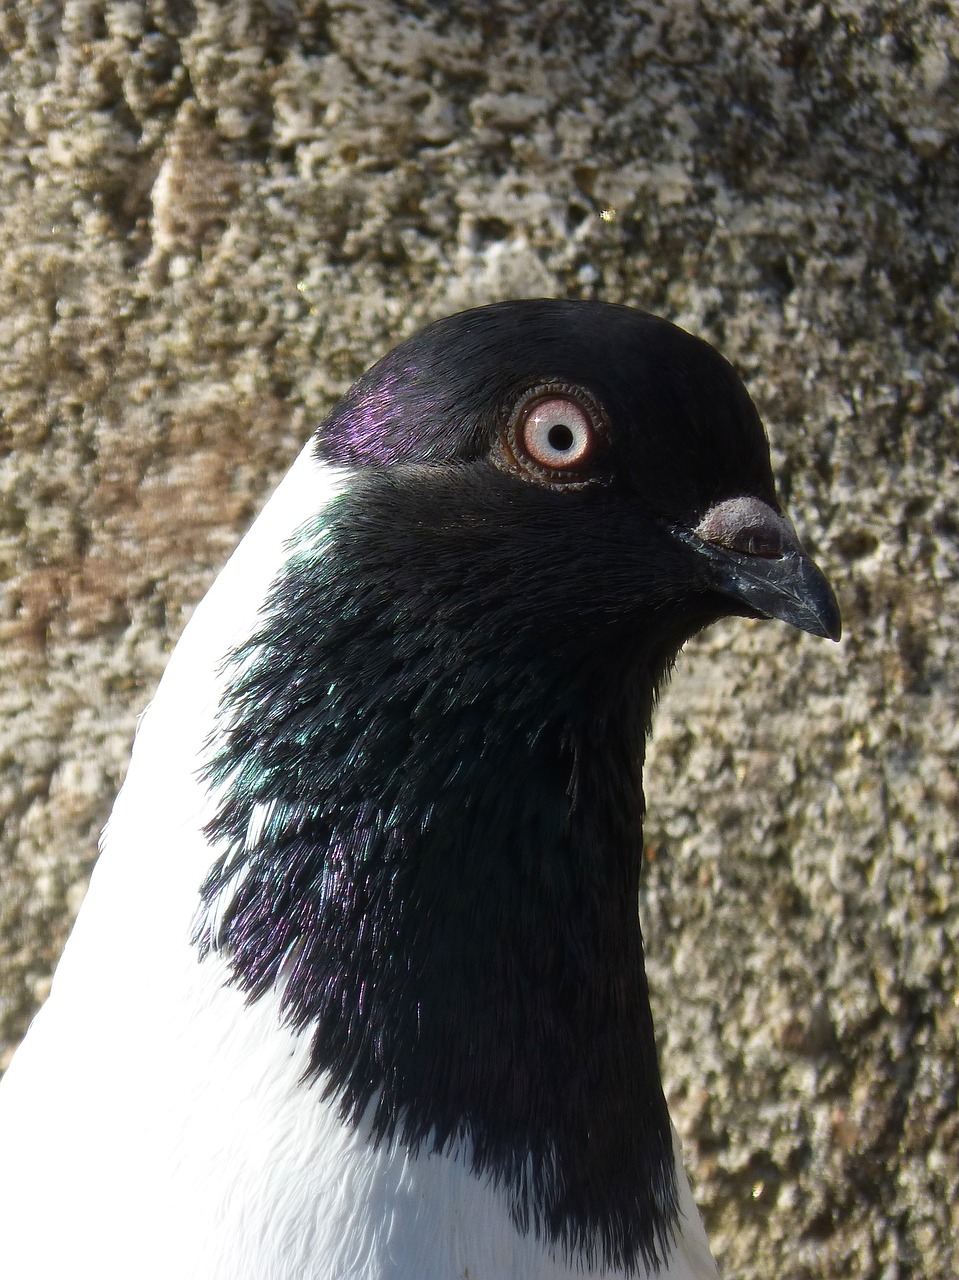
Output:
[[560, 437]]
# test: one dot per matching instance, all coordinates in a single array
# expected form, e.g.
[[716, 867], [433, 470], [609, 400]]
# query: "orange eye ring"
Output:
[[554, 435]]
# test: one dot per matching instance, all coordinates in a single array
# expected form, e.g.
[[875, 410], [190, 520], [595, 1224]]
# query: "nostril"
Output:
[[755, 540], [748, 526]]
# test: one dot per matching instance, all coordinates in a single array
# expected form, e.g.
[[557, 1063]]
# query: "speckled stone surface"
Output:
[[215, 215]]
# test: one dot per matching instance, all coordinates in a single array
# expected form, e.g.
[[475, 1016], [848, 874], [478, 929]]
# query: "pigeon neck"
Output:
[[438, 864]]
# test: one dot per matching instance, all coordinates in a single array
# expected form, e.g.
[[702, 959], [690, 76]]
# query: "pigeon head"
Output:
[[589, 473], [429, 757]]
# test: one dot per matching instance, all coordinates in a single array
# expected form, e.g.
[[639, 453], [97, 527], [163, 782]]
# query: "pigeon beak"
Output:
[[754, 556]]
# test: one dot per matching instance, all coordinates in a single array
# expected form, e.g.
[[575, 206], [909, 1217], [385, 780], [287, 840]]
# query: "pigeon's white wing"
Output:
[[90, 1105]]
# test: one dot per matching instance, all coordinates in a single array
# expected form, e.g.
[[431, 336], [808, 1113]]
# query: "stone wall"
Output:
[[215, 215]]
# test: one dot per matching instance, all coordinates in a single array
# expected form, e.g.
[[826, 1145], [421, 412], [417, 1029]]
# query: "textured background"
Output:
[[213, 216]]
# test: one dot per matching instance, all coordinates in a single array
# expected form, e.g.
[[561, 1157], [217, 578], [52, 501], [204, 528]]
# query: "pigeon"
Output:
[[358, 989]]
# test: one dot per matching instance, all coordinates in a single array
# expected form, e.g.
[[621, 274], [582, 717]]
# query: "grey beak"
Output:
[[753, 555]]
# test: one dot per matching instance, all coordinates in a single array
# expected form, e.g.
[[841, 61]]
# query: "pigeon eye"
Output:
[[554, 436], [557, 432]]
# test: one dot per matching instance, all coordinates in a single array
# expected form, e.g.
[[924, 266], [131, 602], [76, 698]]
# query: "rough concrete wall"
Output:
[[214, 215]]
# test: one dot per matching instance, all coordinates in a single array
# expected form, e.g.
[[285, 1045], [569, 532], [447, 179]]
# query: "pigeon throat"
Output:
[[434, 856]]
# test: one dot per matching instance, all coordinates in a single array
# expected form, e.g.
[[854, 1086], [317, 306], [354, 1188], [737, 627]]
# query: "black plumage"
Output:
[[437, 735]]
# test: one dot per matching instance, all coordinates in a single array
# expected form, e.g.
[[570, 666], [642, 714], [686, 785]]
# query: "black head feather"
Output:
[[443, 718]]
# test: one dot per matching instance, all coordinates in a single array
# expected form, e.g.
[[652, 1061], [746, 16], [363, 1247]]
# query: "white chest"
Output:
[[220, 1164]]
